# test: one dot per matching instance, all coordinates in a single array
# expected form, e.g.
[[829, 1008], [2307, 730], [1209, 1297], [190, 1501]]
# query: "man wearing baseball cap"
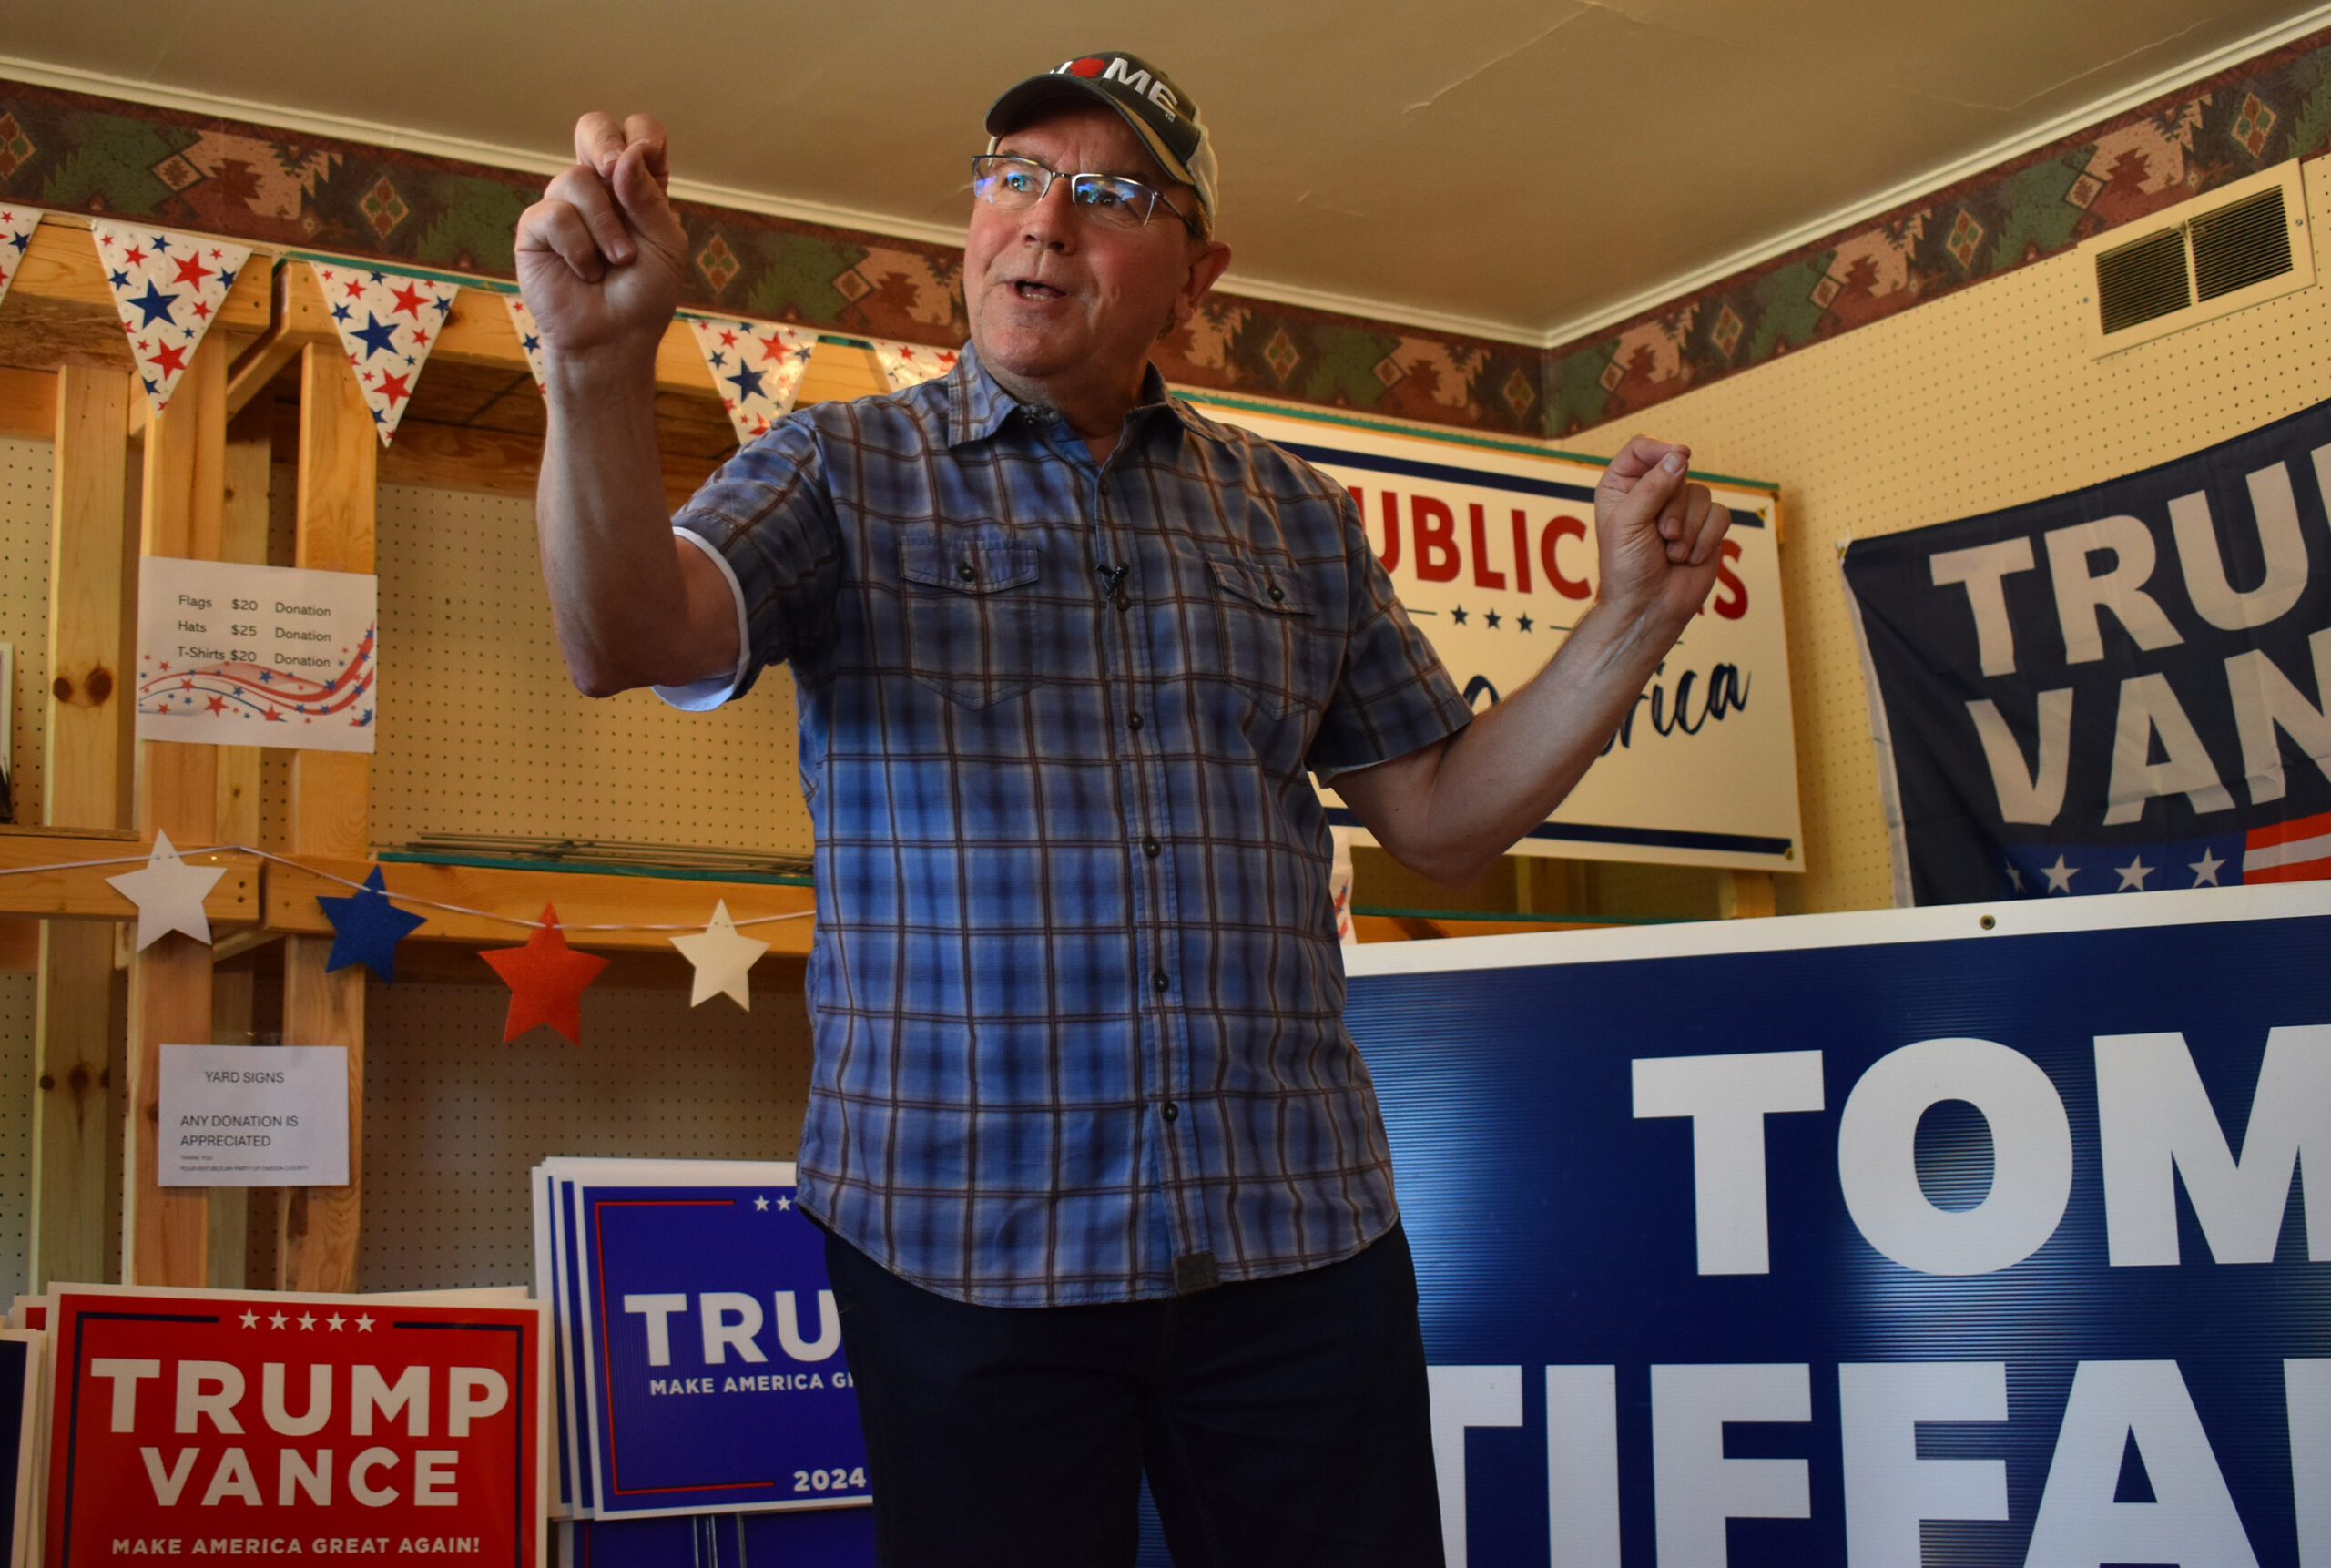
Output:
[[1106, 1187]]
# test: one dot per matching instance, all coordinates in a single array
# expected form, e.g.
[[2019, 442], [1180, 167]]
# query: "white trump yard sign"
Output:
[[1490, 546]]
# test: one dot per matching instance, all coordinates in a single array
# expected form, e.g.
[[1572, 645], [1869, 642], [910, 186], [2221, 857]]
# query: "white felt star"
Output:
[[721, 957], [168, 894]]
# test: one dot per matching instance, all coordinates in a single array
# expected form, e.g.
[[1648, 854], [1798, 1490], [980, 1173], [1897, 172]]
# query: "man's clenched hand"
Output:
[[601, 255], [1659, 536]]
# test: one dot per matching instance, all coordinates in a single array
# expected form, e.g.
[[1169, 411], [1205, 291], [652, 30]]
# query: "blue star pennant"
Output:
[[16, 226], [167, 287], [388, 323], [756, 366], [366, 927], [530, 336]]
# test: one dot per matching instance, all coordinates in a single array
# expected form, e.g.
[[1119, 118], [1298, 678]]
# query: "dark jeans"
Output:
[[1283, 1422]]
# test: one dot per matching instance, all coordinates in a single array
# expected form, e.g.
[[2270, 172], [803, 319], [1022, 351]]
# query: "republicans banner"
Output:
[[2121, 689], [190, 1423], [1970, 1235], [1490, 546]]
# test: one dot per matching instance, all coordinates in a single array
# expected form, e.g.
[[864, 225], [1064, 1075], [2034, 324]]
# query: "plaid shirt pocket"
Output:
[[1266, 632], [969, 598]]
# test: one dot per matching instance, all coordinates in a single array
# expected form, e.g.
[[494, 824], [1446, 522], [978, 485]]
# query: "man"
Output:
[[1106, 1187]]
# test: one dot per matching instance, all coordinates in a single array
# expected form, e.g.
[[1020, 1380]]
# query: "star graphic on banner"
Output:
[[531, 344], [307, 1320], [1492, 620], [2205, 870], [364, 1324], [1521, 623], [366, 927], [191, 271], [721, 957], [379, 337], [546, 978], [783, 1204], [748, 383], [2133, 875], [168, 894], [395, 387], [277, 1321], [169, 359], [250, 1319], [335, 1322], [156, 304], [162, 244], [2060, 876], [760, 1205], [409, 300], [2014, 877]]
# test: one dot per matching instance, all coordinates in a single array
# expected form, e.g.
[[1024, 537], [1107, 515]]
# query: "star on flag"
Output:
[[167, 289], [388, 323], [530, 337], [16, 226], [756, 367], [911, 364]]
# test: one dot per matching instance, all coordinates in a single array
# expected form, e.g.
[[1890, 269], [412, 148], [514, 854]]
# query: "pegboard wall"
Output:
[[17, 993], [482, 732], [1982, 399], [27, 499], [453, 1122]]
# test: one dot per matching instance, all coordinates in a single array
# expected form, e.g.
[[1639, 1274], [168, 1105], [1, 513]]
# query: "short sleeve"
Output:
[[766, 519], [1394, 696]]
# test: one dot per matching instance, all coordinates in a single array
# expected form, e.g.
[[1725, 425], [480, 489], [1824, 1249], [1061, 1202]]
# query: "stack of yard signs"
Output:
[[700, 1366]]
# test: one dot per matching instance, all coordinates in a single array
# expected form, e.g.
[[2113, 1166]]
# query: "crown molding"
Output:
[[2072, 122]]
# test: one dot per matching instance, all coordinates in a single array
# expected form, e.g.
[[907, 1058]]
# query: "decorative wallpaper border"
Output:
[[76, 152]]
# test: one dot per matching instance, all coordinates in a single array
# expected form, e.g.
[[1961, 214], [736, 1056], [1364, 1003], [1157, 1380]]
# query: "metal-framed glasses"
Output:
[[1011, 182]]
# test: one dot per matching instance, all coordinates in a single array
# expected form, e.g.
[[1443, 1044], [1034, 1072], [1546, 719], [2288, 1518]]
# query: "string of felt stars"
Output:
[[545, 976]]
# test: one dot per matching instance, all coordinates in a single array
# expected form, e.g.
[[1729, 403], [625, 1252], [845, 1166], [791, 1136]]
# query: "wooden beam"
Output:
[[479, 332], [75, 1102], [28, 403], [165, 1230], [1743, 895], [61, 312], [329, 815], [83, 894], [84, 722], [583, 899]]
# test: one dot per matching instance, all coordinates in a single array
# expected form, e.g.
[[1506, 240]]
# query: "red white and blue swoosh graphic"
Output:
[[233, 690]]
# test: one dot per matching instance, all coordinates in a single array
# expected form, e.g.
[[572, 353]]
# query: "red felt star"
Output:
[[546, 978]]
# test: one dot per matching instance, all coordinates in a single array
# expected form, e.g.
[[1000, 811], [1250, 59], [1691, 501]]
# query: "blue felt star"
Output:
[[747, 382], [379, 338], [366, 927], [156, 304]]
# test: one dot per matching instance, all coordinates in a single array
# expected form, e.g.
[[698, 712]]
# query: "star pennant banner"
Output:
[[388, 323], [169, 288], [721, 956], [168, 894], [16, 226], [530, 337], [911, 364], [546, 978], [757, 365]]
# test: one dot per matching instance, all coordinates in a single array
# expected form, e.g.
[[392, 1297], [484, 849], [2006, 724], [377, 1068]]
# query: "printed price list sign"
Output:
[[234, 654]]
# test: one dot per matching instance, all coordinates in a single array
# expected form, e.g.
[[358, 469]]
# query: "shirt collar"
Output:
[[978, 406]]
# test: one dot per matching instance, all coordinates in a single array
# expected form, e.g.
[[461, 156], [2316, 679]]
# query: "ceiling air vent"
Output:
[[2235, 247]]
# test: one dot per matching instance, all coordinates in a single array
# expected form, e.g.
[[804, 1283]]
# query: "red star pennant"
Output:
[[546, 978]]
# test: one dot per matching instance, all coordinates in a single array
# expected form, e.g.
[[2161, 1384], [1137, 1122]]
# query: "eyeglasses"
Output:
[[1005, 180]]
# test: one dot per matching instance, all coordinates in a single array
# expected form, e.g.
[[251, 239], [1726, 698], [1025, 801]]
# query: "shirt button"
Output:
[[966, 571], [1279, 594], [1158, 982], [1151, 848], [1133, 722], [1173, 1112]]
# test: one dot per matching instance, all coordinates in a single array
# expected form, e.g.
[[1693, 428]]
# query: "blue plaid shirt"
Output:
[[1075, 993]]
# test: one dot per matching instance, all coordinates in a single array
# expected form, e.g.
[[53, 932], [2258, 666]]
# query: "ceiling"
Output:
[[1522, 168]]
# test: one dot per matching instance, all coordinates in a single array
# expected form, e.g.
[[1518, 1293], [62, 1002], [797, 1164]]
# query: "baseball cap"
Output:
[[1161, 114]]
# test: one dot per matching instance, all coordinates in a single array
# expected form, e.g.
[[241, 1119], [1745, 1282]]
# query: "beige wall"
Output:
[[1983, 399]]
